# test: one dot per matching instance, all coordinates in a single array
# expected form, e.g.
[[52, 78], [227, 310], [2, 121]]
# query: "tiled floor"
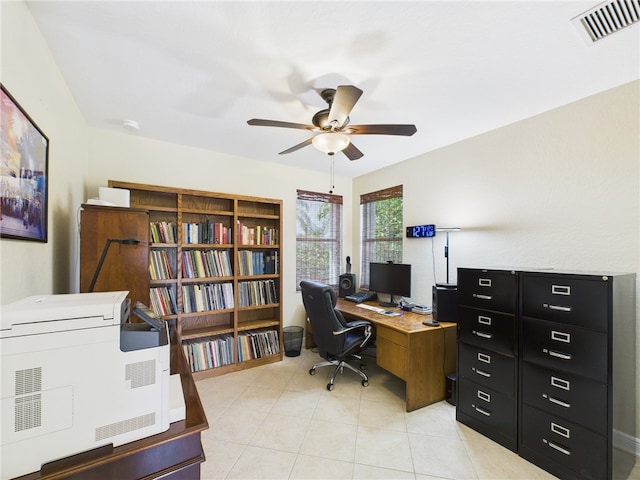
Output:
[[279, 422]]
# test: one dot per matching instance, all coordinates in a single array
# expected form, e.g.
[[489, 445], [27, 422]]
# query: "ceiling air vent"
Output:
[[607, 18]]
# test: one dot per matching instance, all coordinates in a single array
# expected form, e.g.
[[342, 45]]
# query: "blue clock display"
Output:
[[421, 231]]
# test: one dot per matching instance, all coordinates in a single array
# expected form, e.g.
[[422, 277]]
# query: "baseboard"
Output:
[[626, 443]]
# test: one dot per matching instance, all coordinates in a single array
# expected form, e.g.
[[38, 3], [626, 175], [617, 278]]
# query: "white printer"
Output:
[[76, 375]]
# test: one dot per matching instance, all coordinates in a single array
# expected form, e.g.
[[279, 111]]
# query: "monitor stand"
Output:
[[390, 303]]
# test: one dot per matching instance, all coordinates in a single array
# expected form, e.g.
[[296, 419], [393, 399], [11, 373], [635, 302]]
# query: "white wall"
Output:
[[131, 158], [30, 74], [559, 190]]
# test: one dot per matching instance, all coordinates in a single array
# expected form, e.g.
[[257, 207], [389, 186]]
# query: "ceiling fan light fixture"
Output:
[[331, 142]]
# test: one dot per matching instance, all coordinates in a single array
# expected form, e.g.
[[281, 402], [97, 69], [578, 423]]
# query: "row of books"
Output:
[[252, 345], [207, 263], [159, 265], [257, 235], [209, 352], [163, 300], [257, 292], [257, 263], [207, 296], [212, 352], [164, 232], [206, 232]]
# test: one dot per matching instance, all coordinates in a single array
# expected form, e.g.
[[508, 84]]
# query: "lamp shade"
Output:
[[331, 142]]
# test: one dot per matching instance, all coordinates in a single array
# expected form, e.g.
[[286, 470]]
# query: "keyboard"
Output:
[[360, 297], [382, 311]]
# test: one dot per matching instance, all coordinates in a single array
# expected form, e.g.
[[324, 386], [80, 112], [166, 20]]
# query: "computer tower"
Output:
[[347, 284], [445, 302]]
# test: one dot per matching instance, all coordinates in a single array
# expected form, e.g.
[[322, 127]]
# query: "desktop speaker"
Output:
[[347, 284], [445, 302]]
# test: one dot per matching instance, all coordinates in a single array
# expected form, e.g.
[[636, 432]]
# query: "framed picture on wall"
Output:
[[23, 173]]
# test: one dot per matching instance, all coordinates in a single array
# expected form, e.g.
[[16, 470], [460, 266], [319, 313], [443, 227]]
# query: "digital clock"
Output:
[[421, 231]]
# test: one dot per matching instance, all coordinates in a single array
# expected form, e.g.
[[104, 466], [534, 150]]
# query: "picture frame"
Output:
[[24, 173]]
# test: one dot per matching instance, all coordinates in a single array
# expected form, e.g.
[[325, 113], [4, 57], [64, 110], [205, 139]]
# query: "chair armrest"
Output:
[[357, 324]]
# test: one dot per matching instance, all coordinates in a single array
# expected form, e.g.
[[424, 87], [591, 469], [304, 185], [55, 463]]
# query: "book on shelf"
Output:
[[259, 235], [257, 292], [206, 232], [160, 265], [209, 352], [257, 344], [163, 232], [163, 300], [207, 296], [207, 263]]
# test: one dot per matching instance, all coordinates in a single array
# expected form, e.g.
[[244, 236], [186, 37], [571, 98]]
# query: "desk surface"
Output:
[[406, 322], [421, 355]]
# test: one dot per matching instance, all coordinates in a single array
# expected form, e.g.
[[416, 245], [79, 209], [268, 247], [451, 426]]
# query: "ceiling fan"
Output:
[[332, 124]]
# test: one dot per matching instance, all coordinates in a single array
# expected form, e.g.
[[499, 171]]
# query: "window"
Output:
[[318, 237], [381, 214]]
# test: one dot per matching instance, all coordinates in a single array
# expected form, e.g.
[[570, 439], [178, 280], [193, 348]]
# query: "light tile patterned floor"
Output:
[[279, 422]]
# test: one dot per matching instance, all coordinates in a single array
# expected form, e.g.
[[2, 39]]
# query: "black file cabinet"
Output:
[[547, 367], [487, 353], [577, 373]]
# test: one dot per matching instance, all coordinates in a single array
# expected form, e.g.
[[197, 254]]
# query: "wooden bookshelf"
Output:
[[195, 237]]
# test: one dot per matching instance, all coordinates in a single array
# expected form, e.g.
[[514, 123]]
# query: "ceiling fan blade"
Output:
[[276, 123], [406, 130], [343, 101], [352, 152], [297, 147]]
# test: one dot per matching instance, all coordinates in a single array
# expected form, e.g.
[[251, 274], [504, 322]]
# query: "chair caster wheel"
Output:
[[365, 383], [312, 371], [330, 386]]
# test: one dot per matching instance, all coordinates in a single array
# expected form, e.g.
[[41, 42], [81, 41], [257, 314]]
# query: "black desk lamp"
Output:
[[122, 241], [446, 246]]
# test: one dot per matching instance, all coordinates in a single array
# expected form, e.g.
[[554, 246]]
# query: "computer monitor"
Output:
[[390, 278]]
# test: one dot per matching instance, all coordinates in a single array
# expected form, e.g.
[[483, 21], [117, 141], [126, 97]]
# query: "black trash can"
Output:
[[292, 340]]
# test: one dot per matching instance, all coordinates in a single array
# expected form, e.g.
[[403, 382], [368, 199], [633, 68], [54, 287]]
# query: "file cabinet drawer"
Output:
[[576, 301], [565, 348], [488, 289], [564, 443], [487, 329], [488, 406], [487, 368], [564, 395]]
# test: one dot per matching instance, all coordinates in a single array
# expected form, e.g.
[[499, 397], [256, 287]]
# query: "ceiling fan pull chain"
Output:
[[332, 173]]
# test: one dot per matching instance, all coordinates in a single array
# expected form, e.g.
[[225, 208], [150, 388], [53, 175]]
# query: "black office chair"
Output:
[[338, 341]]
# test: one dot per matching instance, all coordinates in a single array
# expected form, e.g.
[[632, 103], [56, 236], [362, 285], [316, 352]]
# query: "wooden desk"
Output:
[[174, 454], [421, 355]]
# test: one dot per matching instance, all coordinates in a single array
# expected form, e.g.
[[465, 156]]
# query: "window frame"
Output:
[[335, 237]]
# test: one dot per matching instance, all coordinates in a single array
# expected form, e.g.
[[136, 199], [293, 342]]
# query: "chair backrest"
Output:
[[319, 302]]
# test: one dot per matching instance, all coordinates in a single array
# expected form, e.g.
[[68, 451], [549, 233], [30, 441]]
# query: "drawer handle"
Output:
[[560, 430], [482, 373], [558, 448], [560, 336], [483, 334], [553, 353], [560, 383], [482, 411], [557, 308], [484, 396], [482, 297], [560, 290], [483, 357], [484, 282], [556, 401], [484, 320]]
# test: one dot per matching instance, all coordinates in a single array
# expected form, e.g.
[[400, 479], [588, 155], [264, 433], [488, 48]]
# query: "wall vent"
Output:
[[607, 18]]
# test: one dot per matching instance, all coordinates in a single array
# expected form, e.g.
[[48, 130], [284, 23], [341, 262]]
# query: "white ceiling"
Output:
[[194, 72]]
